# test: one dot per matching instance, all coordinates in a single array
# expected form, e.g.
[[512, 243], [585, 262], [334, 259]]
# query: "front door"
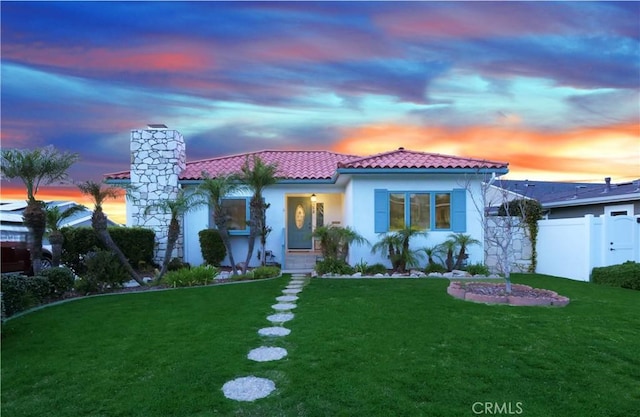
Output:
[[299, 223]]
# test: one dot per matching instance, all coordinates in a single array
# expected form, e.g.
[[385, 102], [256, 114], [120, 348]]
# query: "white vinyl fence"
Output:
[[571, 248]]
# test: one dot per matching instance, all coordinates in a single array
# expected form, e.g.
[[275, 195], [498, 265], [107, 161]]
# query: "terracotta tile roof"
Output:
[[323, 164], [291, 164], [401, 158]]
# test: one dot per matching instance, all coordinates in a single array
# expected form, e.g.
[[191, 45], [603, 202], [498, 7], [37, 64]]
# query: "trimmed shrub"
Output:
[[199, 275], [334, 266], [20, 292], [176, 264], [103, 272], [478, 269], [434, 267], [266, 272], [212, 247], [626, 275], [61, 280], [376, 269], [136, 243]]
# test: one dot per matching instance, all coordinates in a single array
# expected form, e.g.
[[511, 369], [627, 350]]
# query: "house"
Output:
[[13, 228], [562, 200], [371, 194], [585, 225]]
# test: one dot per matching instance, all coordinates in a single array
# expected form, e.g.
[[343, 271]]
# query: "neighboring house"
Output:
[[371, 194], [562, 200], [14, 229], [585, 225]]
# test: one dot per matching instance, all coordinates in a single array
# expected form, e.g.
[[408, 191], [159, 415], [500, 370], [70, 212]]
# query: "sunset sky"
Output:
[[551, 88]]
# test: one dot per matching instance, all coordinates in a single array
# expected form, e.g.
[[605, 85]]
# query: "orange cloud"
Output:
[[580, 154], [171, 57], [114, 209]]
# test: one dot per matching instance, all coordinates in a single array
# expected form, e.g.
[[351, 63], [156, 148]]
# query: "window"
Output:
[[420, 210], [443, 211], [396, 211], [238, 211]]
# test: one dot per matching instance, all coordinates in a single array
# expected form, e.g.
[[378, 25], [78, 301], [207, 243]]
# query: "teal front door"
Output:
[[299, 223]]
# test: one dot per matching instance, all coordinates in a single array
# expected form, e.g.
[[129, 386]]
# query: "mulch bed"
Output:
[[493, 293]]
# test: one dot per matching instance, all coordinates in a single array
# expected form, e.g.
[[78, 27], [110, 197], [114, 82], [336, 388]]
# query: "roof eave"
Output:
[[592, 200], [499, 171]]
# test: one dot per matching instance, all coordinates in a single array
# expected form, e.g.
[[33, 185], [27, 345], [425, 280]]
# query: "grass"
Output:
[[358, 347]]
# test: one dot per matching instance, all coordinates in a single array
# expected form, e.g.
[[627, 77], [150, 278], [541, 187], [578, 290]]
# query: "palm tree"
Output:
[[256, 177], [396, 246], [55, 216], [448, 247], [176, 207], [462, 241], [99, 221], [335, 241], [36, 167], [431, 252], [216, 189]]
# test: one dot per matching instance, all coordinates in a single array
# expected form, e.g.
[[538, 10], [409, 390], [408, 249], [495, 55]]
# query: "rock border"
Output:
[[522, 295]]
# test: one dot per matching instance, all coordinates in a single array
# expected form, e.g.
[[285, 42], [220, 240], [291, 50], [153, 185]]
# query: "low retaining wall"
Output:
[[492, 293]]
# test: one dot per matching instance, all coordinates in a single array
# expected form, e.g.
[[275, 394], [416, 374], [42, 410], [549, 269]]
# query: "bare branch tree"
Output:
[[498, 231]]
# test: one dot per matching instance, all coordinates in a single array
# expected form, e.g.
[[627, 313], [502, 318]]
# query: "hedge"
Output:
[[626, 275], [136, 243]]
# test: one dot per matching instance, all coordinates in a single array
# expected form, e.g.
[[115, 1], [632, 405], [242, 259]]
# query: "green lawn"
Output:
[[385, 347]]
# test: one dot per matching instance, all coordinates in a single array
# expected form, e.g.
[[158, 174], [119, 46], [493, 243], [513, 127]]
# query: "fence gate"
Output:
[[620, 233], [571, 248]]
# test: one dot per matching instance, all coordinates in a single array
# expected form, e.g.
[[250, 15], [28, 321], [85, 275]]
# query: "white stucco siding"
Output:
[[360, 212]]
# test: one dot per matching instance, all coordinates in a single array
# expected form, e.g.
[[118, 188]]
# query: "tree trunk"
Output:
[[36, 221], [172, 238], [99, 224], [449, 260], [56, 239], [461, 256], [221, 224], [254, 223]]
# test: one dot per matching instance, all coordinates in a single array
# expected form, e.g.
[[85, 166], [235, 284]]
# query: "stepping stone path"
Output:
[[287, 298], [280, 317], [251, 388], [248, 388], [283, 306], [274, 331]]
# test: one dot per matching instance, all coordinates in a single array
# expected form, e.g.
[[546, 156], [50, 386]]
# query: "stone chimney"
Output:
[[607, 184], [157, 158]]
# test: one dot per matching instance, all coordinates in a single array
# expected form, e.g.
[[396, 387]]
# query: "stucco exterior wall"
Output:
[[361, 212]]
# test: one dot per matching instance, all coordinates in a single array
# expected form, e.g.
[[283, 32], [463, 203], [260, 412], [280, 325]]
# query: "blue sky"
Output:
[[550, 87]]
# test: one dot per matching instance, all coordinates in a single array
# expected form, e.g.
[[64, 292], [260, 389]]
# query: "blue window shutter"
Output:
[[381, 210], [459, 210]]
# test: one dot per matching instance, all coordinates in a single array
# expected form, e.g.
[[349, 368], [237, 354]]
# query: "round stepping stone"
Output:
[[266, 354], [287, 298], [274, 331], [293, 287], [290, 291], [283, 306], [248, 388], [280, 317]]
